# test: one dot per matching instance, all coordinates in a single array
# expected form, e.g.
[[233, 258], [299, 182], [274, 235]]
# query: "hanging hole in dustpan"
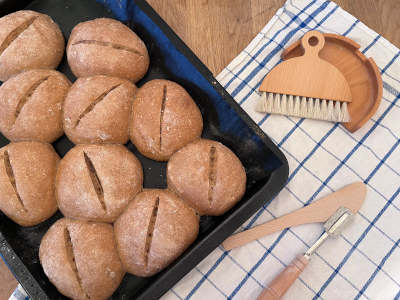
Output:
[[313, 41]]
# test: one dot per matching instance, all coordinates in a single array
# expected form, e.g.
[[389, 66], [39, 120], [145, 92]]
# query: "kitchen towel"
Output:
[[364, 261]]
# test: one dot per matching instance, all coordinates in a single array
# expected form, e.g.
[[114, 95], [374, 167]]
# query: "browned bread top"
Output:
[[164, 119], [97, 110], [31, 106], [96, 182], [29, 40], [106, 47], [80, 258], [208, 176], [27, 176], [153, 231]]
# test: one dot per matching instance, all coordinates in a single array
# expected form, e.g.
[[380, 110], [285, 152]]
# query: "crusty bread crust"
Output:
[[29, 40], [80, 258], [153, 231], [27, 175], [208, 176], [97, 182], [164, 119], [97, 110], [31, 106], [106, 47]]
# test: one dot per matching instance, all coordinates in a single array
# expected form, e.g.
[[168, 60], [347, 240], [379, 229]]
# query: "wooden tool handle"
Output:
[[351, 196], [312, 42], [293, 219], [284, 280]]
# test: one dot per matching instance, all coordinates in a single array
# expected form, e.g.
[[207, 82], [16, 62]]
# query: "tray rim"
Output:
[[264, 195]]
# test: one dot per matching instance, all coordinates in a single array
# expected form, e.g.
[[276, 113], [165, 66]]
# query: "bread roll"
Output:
[[208, 176], [96, 182], [106, 47], [27, 176], [164, 119], [97, 110], [31, 106], [81, 259], [153, 231], [29, 40]]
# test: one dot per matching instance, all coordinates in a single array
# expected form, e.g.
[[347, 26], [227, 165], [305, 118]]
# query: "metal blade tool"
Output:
[[333, 227]]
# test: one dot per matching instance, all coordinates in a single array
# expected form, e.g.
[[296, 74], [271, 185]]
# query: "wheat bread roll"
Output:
[[208, 176], [164, 119], [31, 106], [29, 40], [80, 258], [97, 110], [27, 177], [106, 47], [153, 231], [97, 182]]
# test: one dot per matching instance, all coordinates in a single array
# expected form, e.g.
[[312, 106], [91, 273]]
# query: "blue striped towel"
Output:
[[364, 262]]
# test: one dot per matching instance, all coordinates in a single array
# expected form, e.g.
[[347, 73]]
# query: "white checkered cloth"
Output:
[[364, 262], [19, 294]]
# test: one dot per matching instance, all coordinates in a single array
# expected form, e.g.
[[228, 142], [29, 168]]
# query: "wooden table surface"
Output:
[[217, 30]]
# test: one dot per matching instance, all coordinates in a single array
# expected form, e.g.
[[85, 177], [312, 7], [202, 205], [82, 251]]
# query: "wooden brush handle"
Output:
[[284, 280], [312, 42]]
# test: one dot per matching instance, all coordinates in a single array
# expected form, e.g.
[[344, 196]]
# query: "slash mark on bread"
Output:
[[95, 102], [95, 181], [212, 173], [28, 94], [163, 102], [14, 34], [150, 230], [108, 44], [71, 258], [11, 177]]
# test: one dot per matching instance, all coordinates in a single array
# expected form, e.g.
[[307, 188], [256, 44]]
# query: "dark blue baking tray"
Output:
[[224, 120]]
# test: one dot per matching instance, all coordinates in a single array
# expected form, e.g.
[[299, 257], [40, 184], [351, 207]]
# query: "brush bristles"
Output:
[[303, 107]]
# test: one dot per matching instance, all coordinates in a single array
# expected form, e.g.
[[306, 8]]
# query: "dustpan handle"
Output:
[[312, 42]]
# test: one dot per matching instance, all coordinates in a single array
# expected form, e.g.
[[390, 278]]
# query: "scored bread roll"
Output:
[[153, 231], [27, 176], [96, 182], [97, 110], [164, 119], [208, 176], [31, 106], [29, 40], [80, 258], [106, 47]]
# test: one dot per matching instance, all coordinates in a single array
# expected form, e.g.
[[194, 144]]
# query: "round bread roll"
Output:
[[27, 176], [31, 106], [153, 231], [164, 119], [81, 259], [29, 40], [208, 176], [106, 47], [97, 110], [96, 182]]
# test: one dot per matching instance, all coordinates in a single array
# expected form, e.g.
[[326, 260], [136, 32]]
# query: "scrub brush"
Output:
[[306, 86]]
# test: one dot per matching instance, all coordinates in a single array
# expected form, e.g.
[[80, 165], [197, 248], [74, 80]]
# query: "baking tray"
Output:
[[224, 120]]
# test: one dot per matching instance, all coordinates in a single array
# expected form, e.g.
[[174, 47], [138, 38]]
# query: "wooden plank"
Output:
[[218, 30], [7, 281]]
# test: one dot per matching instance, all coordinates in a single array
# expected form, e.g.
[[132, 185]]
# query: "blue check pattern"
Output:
[[364, 261]]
